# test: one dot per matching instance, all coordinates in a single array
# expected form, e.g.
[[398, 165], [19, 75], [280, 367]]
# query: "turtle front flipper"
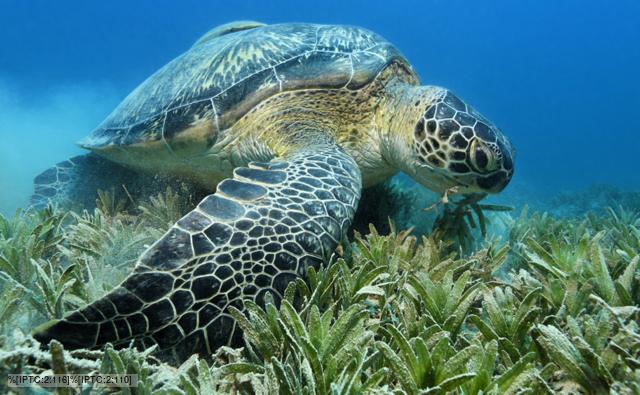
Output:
[[256, 234]]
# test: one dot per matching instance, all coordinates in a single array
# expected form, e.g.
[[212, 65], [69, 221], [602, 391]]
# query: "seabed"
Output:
[[462, 299]]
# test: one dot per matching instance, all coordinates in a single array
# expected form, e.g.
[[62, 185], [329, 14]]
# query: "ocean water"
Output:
[[560, 78]]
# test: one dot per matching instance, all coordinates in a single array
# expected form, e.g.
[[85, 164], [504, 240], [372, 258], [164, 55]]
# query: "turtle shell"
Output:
[[209, 87]]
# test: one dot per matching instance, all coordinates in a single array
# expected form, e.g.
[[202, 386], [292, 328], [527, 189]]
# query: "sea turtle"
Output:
[[283, 125]]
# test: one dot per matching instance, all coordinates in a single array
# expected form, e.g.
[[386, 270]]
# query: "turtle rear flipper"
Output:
[[256, 234], [75, 182]]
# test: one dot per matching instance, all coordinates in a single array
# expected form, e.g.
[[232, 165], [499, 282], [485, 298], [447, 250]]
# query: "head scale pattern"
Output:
[[454, 139]]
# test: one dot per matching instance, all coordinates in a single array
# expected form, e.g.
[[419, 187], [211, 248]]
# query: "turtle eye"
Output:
[[482, 158]]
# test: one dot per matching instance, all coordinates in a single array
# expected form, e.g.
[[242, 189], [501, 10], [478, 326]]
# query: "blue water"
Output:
[[561, 78]]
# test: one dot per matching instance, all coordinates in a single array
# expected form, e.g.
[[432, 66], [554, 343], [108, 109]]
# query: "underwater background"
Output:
[[560, 78], [535, 290]]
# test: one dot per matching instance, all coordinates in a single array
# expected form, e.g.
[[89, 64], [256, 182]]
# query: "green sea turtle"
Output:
[[286, 123]]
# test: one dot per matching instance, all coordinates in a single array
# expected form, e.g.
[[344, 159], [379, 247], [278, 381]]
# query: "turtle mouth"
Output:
[[439, 181], [496, 182]]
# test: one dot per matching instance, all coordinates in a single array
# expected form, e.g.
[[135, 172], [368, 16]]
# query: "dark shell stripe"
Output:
[[244, 67], [227, 28], [256, 234]]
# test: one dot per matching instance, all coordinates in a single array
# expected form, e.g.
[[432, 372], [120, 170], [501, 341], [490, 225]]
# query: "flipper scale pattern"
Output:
[[257, 233]]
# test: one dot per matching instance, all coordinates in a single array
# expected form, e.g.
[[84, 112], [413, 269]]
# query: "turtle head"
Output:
[[456, 148]]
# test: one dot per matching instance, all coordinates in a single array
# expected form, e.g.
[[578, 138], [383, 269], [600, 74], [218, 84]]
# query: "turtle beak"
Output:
[[495, 182]]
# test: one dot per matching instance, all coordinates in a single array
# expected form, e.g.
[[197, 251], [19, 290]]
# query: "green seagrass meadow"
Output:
[[463, 298]]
